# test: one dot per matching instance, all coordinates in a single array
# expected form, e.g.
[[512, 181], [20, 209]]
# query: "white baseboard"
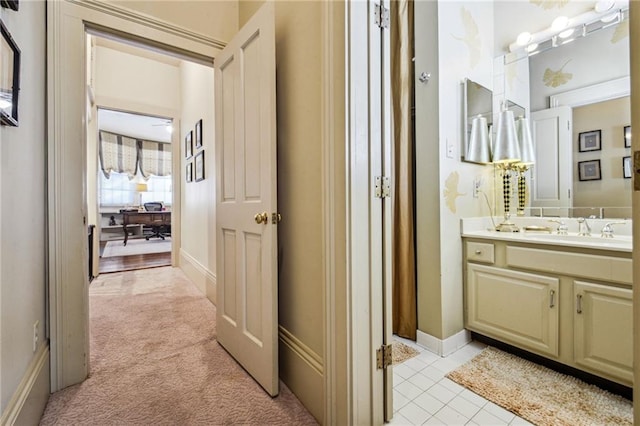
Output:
[[443, 347], [301, 369], [202, 277], [30, 398]]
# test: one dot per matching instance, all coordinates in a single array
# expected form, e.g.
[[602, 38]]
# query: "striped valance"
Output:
[[124, 154]]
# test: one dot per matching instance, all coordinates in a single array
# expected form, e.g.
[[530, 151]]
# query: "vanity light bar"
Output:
[[582, 25]]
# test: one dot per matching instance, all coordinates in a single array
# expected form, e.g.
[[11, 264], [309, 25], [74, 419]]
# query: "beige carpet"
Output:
[[155, 361], [538, 394], [401, 352], [133, 247]]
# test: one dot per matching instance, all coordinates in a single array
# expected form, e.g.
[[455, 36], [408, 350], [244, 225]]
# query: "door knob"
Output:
[[261, 218]]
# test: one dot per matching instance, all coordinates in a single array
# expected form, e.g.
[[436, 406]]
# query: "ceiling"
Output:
[[134, 125]]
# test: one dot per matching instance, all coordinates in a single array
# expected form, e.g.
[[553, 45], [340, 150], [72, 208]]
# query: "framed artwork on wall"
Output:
[[190, 171], [199, 172], [188, 145], [627, 137], [10, 4], [589, 170], [589, 141], [9, 78], [199, 133], [626, 167]]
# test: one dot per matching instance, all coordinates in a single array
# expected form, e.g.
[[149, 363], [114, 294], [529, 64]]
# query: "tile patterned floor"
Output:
[[423, 396]]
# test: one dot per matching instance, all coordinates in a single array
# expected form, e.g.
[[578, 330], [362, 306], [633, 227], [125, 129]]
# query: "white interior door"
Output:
[[246, 236], [552, 178]]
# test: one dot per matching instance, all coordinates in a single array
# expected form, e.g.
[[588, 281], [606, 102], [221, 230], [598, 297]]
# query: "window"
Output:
[[119, 191]]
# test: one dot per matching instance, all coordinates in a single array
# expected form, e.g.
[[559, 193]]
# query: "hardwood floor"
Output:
[[136, 261]]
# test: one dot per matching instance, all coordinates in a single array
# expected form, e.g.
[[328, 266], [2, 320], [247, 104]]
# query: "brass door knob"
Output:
[[261, 218]]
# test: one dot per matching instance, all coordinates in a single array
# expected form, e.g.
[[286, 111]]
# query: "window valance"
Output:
[[124, 154]]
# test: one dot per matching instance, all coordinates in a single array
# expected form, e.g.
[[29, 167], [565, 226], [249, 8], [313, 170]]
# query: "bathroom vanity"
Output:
[[565, 297]]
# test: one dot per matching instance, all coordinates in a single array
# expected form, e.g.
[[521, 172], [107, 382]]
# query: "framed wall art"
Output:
[[10, 4], [188, 145], [199, 133], [590, 141], [589, 170], [627, 136], [190, 171], [199, 172], [626, 167], [9, 78]]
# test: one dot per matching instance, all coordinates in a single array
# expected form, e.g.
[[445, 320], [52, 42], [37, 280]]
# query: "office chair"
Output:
[[157, 230]]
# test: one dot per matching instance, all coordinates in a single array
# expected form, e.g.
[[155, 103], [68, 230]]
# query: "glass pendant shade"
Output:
[[479, 150], [527, 152], [506, 148]]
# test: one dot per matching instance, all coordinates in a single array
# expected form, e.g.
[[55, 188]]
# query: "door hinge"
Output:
[[384, 357], [382, 187], [382, 16]]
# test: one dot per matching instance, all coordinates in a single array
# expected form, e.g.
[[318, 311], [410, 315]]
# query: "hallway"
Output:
[[155, 360]]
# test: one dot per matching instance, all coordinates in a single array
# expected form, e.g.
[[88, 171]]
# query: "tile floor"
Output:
[[423, 396]]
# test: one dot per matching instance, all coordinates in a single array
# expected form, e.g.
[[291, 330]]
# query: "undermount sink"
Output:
[[616, 241]]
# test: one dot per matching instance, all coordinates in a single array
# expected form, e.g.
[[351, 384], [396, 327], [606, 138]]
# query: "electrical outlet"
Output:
[[477, 183], [35, 335]]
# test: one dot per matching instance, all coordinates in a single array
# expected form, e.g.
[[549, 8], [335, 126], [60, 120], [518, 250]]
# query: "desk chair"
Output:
[[157, 231]]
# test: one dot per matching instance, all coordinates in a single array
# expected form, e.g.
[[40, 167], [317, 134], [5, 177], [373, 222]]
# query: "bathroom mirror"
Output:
[[478, 101], [559, 76]]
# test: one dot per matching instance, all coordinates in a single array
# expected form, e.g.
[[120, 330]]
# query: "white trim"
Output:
[[26, 386], [67, 22], [201, 276], [303, 351], [444, 347], [600, 92]]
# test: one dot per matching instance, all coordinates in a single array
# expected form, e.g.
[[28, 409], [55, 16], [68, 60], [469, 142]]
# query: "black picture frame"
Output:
[[199, 133], [626, 167], [189, 172], [627, 136], [589, 170], [590, 141], [188, 145], [199, 166], [10, 4], [9, 78]]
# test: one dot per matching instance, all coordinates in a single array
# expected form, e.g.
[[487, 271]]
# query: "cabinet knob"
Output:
[[478, 252]]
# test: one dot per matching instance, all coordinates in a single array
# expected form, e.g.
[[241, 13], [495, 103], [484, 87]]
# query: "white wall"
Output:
[[198, 251], [440, 298], [22, 200], [137, 83]]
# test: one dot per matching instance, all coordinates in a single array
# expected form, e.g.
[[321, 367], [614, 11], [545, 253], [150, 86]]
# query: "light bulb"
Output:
[[603, 5], [567, 33], [523, 38], [532, 47], [560, 23]]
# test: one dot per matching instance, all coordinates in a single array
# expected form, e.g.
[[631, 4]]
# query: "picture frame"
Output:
[[589, 170], [627, 136], [199, 166], [9, 78], [199, 133], [188, 145], [626, 167], [189, 175], [10, 4], [590, 141]]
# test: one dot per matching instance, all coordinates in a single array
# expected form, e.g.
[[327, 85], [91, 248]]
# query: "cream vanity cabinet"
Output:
[[572, 306]]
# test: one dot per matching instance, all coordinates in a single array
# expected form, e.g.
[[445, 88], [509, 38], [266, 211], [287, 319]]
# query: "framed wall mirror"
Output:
[[477, 102], [9, 78]]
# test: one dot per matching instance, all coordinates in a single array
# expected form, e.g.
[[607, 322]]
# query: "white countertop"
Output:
[[622, 241]]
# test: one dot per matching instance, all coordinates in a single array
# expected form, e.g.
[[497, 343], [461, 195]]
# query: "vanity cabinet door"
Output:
[[515, 307], [603, 330]]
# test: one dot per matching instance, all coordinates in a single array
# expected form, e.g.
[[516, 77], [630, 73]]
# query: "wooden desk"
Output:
[[144, 218]]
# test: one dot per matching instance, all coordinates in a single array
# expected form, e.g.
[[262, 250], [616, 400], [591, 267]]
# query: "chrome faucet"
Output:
[[607, 229], [584, 230], [562, 229]]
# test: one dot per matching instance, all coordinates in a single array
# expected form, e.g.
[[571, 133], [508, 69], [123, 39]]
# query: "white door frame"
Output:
[[68, 327]]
